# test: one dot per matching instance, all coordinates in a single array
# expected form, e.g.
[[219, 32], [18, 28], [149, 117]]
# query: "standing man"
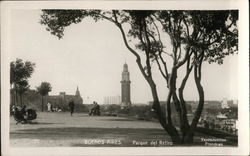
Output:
[[71, 106], [49, 107]]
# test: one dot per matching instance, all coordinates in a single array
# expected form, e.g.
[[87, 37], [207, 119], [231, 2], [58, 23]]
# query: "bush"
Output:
[[81, 108], [142, 112]]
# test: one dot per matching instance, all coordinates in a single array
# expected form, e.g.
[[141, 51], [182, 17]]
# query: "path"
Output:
[[60, 129]]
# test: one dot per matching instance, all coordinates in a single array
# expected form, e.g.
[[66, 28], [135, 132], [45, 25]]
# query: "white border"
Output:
[[243, 145]]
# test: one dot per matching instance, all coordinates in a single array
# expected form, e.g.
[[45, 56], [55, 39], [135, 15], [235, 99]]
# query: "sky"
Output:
[[91, 56]]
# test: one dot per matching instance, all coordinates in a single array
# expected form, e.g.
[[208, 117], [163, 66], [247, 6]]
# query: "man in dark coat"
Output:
[[24, 112], [71, 107]]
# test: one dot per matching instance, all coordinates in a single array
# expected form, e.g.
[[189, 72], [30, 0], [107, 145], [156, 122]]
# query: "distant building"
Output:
[[125, 88], [229, 103], [163, 105], [63, 99], [216, 105], [235, 102], [232, 103], [224, 103], [112, 100]]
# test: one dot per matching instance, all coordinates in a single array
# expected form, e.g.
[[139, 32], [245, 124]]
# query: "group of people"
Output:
[[50, 108], [22, 110], [22, 114], [95, 110], [71, 104]]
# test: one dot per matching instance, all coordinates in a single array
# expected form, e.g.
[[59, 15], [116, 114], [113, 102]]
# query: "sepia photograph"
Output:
[[120, 77]]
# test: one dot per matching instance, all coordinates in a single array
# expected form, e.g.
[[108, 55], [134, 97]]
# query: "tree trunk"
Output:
[[184, 123], [13, 97], [184, 120], [21, 100], [42, 103], [16, 97], [189, 136], [157, 107], [169, 128]]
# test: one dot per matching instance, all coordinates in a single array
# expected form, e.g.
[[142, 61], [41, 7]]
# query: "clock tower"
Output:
[[125, 88]]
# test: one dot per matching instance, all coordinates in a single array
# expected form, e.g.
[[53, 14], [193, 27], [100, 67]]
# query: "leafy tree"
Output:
[[22, 87], [195, 37], [43, 90], [214, 36], [20, 71]]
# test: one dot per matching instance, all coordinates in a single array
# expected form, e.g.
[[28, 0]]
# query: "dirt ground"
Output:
[[60, 129], [52, 129]]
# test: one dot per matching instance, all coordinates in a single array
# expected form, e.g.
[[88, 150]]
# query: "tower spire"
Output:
[[78, 92]]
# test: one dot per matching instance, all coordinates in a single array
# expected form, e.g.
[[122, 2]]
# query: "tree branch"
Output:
[[185, 22], [165, 75], [138, 59], [148, 48], [160, 68], [200, 65], [179, 64]]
